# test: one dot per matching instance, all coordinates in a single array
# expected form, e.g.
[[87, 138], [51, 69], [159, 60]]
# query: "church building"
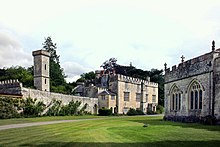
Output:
[[192, 89]]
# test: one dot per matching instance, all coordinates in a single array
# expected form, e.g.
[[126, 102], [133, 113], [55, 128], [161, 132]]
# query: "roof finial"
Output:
[[182, 57], [165, 65], [213, 45]]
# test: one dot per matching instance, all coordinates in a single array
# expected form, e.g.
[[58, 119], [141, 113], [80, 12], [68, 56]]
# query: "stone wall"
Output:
[[14, 88], [216, 100], [47, 97], [183, 85]]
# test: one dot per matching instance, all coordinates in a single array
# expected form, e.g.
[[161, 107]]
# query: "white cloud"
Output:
[[11, 51], [73, 70]]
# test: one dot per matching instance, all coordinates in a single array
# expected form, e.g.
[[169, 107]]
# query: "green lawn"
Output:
[[114, 131]]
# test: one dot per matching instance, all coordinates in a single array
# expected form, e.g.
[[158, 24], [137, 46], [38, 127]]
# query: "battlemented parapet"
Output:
[[11, 87], [132, 80], [192, 67]]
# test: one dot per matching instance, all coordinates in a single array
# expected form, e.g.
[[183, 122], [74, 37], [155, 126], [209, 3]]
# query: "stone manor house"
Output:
[[113, 91], [192, 89], [120, 93]]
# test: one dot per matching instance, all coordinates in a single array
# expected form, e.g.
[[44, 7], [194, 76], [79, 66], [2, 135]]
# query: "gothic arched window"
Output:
[[195, 96], [175, 98]]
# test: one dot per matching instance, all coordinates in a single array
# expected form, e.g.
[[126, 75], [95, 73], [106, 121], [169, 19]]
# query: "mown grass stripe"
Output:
[[119, 131]]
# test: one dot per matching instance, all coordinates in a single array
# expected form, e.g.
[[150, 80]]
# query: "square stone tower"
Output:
[[41, 70]]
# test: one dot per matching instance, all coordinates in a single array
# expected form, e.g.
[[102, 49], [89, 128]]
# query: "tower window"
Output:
[[45, 81], [45, 66]]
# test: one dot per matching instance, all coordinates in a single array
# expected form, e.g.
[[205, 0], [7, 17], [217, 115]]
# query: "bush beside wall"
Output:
[[132, 112], [9, 108], [105, 112]]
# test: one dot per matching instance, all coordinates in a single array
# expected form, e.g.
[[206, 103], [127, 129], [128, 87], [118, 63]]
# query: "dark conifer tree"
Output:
[[57, 76]]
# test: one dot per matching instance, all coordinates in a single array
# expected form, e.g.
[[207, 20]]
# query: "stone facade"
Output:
[[129, 93], [133, 93], [41, 70], [107, 100], [192, 88]]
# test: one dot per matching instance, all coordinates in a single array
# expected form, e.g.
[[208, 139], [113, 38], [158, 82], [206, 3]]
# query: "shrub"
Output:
[[105, 112], [73, 107], [70, 109], [32, 107], [208, 120], [150, 111], [82, 110], [160, 109], [8, 108], [54, 108], [139, 112], [132, 111]]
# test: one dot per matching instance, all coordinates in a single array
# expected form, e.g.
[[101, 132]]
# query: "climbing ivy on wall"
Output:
[[17, 107]]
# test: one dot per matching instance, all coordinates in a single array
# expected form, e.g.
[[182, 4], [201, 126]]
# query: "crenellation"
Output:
[[195, 66], [135, 80], [10, 83], [180, 65], [174, 68]]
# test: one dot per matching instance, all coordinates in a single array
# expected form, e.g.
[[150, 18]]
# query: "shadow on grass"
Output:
[[178, 124], [213, 143]]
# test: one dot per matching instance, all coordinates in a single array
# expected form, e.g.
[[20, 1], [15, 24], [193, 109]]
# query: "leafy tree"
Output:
[[22, 74], [85, 77], [158, 77], [49, 46]]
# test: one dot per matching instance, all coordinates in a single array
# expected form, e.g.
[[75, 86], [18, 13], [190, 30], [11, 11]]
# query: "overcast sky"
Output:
[[147, 33]]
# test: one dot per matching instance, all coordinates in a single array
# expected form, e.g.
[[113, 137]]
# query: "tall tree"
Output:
[[57, 76], [51, 47]]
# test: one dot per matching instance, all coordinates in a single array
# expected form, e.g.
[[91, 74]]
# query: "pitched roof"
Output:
[[106, 92]]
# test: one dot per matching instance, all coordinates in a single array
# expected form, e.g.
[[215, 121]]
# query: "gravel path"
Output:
[[12, 126]]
